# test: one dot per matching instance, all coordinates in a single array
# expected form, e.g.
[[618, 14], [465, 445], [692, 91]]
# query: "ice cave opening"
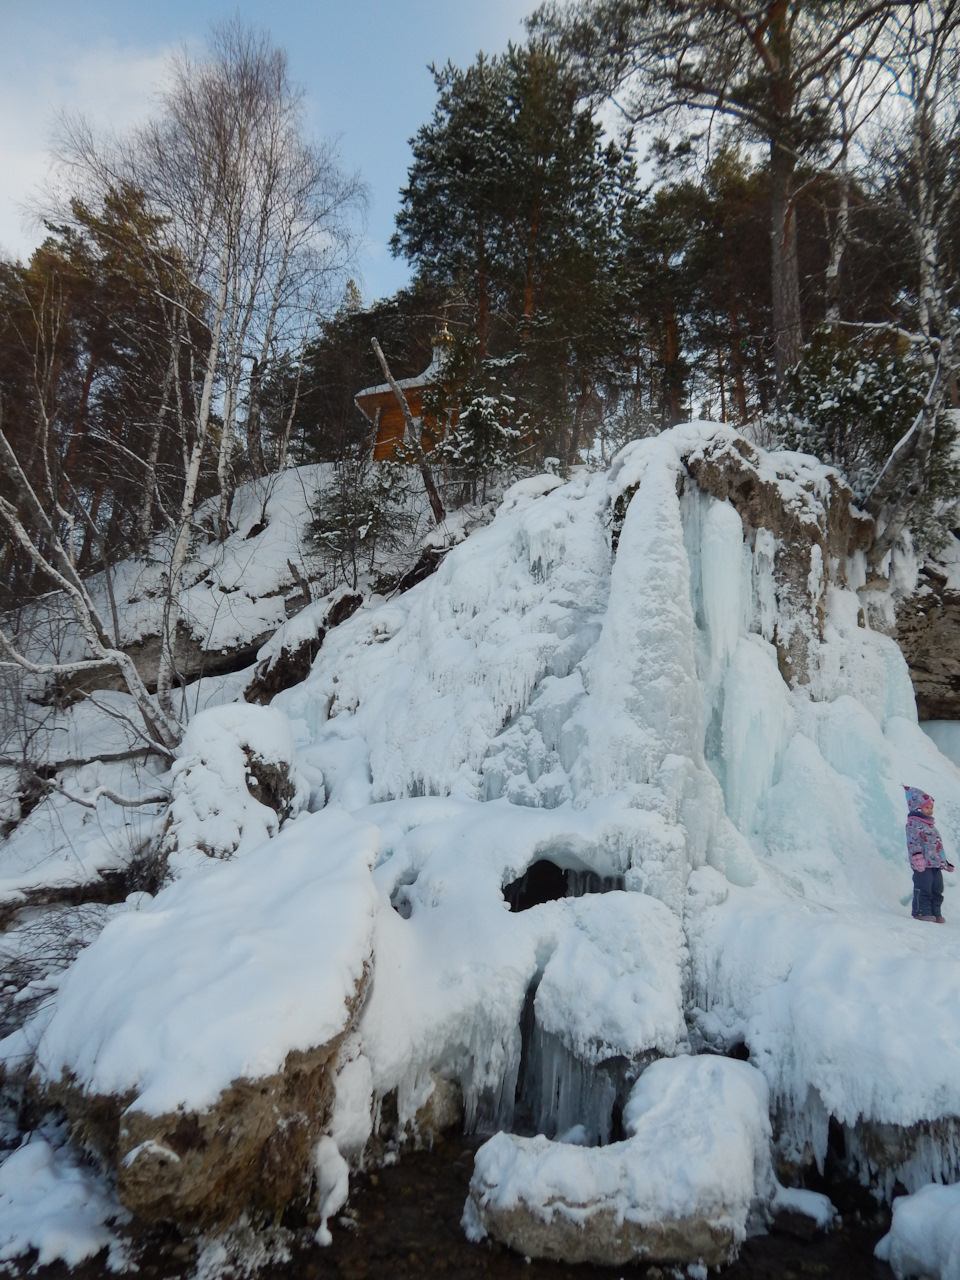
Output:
[[544, 881]]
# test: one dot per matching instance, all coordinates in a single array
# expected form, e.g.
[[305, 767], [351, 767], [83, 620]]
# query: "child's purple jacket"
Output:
[[924, 846]]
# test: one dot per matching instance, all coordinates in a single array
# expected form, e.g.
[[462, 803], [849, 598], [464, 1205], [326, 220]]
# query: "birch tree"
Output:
[[916, 159], [49, 544], [260, 219]]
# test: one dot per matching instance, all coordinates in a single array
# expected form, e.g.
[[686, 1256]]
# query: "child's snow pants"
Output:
[[927, 892]]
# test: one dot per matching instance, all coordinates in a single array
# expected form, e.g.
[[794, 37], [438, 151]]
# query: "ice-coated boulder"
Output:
[[679, 1189]]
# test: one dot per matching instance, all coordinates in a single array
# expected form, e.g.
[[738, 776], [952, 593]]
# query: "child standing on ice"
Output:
[[925, 850]]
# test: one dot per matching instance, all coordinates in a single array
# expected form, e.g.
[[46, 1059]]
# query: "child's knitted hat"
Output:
[[916, 798]]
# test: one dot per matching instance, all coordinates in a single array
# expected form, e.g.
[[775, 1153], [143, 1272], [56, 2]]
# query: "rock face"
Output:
[[889, 1155], [442, 1111], [251, 1152], [605, 1240], [816, 528], [928, 632], [191, 660], [291, 661]]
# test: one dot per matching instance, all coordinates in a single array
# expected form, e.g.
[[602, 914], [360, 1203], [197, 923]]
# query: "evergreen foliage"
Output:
[[850, 401], [486, 438], [364, 511], [586, 307], [513, 210]]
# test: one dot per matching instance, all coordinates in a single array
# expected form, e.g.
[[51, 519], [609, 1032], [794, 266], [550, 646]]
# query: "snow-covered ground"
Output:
[[51, 1203], [542, 699]]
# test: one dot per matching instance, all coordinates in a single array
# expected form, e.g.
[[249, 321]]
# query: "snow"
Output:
[[50, 1203], [644, 699], [697, 1146], [810, 1204], [828, 1005], [612, 985], [792, 795], [234, 590], [211, 809], [429, 679], [333, 1185], [452, 977], [542, 698], [61, 844], [215, 979], [924, 1237]]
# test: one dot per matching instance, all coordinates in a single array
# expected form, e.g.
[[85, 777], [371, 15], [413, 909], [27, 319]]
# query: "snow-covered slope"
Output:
[[622, 715]]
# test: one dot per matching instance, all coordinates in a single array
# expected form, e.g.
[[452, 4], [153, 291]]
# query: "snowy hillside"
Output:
[[553, 814]]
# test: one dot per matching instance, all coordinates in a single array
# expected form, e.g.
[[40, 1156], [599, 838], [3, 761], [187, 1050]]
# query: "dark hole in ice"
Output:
[[541, 882], [544, 881], [836, 1140], [400, 897], [739, 1051]]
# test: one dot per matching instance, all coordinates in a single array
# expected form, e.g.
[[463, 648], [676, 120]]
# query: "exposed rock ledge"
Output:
[[810, 512], [928, 632]]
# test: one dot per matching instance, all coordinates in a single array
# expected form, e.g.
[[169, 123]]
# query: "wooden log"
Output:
[[411, 437]]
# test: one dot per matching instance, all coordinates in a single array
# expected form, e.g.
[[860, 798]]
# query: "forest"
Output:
[[646, 212]]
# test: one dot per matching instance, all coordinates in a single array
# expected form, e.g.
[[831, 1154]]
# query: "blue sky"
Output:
[[362, 63]]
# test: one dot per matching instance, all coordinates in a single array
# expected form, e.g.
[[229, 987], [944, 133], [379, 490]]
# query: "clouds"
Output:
[[363, 67], [113, 85]]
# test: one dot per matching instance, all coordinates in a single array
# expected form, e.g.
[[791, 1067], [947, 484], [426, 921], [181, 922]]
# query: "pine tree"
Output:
[[513, 209]]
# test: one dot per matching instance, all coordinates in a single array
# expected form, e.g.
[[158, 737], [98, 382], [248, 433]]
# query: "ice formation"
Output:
[[618, 711]]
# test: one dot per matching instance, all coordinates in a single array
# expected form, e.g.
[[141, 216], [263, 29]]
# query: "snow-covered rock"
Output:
[[195, 1041], [678, 1189], [924, 1236], [233, 784], [286, 658]]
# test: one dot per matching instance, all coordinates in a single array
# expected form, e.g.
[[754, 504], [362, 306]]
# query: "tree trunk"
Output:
[[839, 236], [736, 360], [574, 442], [145, 516], [171, 613], [258, 467], [412, 437], [531, 259], [482, 305], [785, 270], [672, 407], [723, 385]]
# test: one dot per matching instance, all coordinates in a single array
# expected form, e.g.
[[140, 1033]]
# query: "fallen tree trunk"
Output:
[[411, 437]]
